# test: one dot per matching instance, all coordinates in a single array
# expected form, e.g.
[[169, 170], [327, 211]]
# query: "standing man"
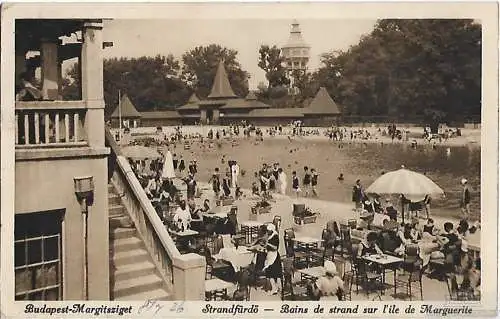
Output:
[[235, 172], [357, 195], [465, 202], [314, 181], [295, 184], [306, 181]]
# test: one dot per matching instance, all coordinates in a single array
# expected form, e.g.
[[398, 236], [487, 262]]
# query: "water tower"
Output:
[[295, 52]]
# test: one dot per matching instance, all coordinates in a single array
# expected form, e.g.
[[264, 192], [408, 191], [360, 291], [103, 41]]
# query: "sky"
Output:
[[134, 38]]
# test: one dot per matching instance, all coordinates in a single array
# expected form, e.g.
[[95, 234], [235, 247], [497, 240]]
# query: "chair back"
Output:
[[411, 250], [325, 235], [233, 221], [215, 245], [336, 229], [346, 234], [329, 226], [289, 234]]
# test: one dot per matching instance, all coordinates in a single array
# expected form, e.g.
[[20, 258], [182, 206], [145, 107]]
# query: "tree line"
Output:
[[403, 68]]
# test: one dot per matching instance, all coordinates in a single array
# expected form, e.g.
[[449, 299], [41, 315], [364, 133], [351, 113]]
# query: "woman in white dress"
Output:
[[282, 181]]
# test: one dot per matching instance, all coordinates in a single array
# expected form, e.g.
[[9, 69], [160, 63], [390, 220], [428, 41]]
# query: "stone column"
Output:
[[92, 82], [203, 116], [216, 116], [50, 69]]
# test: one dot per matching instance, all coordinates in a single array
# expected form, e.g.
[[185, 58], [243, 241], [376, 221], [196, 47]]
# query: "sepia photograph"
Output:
[[249, 159]]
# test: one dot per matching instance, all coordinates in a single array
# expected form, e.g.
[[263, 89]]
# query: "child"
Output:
[[295, 183], [314, 181]]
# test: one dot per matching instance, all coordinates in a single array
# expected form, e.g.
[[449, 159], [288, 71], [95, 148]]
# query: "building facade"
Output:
[[61, 238]]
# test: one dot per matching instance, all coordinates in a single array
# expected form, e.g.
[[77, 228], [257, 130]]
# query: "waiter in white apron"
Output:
[[272, 266]]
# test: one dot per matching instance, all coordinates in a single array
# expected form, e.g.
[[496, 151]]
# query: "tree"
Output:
[[71, 84], [271, 61], [409, 68], [152, 83], [200, 65]]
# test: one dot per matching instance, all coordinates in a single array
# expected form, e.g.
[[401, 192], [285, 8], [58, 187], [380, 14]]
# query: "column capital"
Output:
[[95, 24], [51, 40]]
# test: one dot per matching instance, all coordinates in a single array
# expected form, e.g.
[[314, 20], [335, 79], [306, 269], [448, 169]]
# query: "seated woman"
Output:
[[406, 236], [390, 210], [330, 284], [430, 228], [369, 246]]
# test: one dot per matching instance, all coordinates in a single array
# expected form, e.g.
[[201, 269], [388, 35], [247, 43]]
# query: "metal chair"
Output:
[[347, 278], [289, 290], [292, 250], [410, 278]]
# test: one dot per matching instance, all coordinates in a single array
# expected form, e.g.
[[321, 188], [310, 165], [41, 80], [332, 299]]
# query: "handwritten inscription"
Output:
[[150, 307]]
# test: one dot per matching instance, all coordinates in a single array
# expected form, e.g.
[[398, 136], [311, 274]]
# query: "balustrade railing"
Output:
[[150, 228], [50, 124]]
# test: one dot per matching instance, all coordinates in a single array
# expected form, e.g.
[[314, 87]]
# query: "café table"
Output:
[[307, 244], [184, 237], [250, 229], [311, 273], [239, 258], [216, 288], [215, 215], [385, 262]]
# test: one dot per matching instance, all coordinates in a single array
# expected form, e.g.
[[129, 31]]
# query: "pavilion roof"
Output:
[[322, 104], [128, 109], [221, 87]]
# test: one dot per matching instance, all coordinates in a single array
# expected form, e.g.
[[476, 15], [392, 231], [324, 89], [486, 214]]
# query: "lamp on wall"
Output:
[[84, 191]]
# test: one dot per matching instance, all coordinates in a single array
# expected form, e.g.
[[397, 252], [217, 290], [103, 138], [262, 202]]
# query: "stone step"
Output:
[[114, 199], [130, 257], [157, 294], [116, 210], [119, 233], [134, 270], [137, 285], [126, 244]]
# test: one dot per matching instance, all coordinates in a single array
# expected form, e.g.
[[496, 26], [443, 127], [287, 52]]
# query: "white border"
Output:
[[486, 12]]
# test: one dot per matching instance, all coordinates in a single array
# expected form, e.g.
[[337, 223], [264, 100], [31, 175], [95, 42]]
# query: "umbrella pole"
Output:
[[403, 209]]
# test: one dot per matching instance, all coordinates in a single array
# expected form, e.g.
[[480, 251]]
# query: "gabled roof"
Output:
[[128, 109], [191, 104], [221, 87], [193, 99], [322, 104]]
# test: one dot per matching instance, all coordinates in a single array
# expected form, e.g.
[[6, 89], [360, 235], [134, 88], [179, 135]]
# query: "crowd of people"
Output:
[[380, 218]]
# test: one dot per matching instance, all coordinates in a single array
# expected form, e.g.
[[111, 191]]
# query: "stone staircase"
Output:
[[133, 275]]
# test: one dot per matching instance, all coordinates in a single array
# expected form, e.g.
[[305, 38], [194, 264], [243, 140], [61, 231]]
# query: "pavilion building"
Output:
[[127, 112], [223, 107]]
